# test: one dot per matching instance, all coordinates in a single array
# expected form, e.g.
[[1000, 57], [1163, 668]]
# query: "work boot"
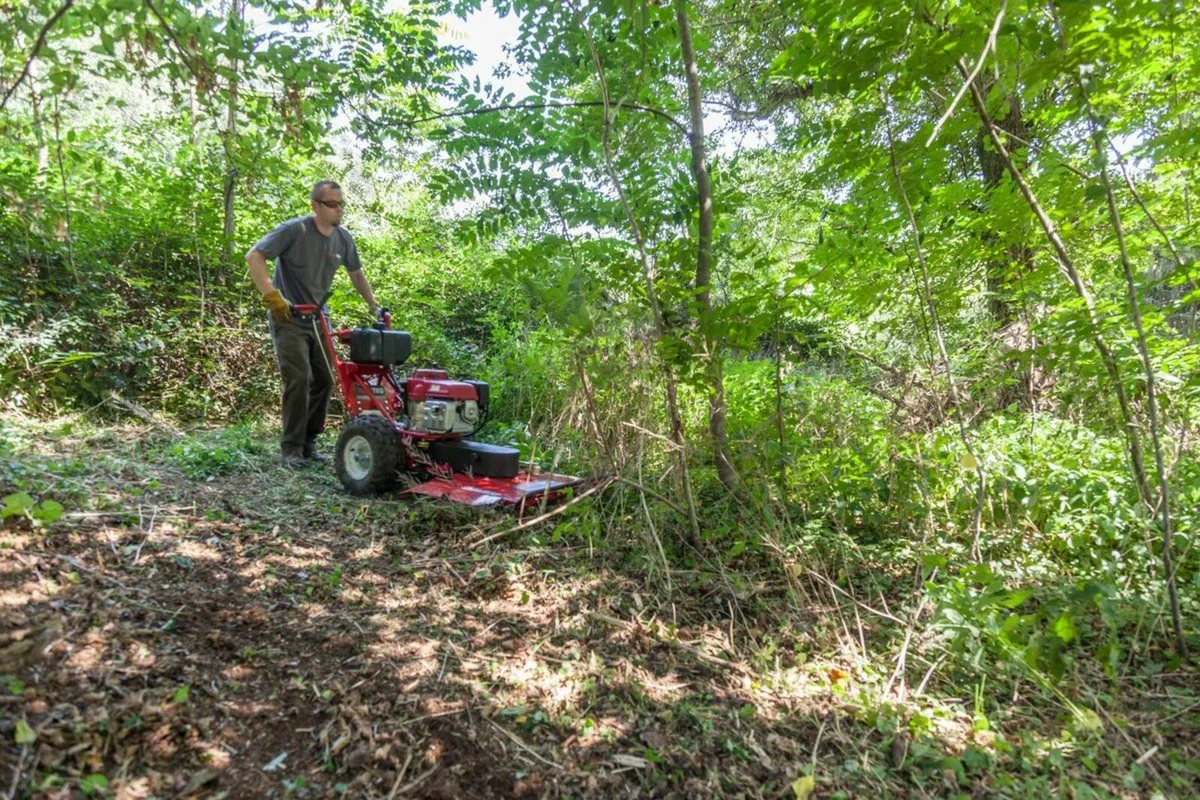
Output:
[[314, 455], [293, 461]]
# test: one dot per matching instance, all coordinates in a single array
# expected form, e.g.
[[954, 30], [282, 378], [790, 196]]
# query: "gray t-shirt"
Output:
[[306, 260]]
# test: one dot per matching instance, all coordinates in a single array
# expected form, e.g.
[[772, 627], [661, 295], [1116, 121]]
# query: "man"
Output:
[[308, 251]]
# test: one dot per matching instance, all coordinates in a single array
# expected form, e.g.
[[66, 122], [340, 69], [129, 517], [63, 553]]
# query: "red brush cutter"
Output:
[[419, 425]]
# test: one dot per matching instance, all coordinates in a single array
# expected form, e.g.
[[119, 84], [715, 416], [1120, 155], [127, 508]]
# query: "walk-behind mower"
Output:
[[419, 425]]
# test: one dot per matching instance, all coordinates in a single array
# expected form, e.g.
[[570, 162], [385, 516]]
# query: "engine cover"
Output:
[[429, 384], [436, 404]]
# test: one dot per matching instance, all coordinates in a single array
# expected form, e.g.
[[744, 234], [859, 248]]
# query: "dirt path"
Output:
[[262, 634]]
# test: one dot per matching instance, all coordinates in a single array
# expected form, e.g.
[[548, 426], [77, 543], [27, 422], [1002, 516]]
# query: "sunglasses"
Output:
[[333, 203]]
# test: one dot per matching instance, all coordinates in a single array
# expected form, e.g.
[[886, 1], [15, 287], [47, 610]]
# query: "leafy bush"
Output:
[[211, 454]]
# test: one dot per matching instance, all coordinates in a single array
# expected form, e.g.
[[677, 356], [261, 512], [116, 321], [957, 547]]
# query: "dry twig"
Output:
[[517, 741]]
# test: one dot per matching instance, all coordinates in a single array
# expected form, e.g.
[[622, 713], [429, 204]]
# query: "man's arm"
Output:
[[359, 279], [258, 270], [281, 309]]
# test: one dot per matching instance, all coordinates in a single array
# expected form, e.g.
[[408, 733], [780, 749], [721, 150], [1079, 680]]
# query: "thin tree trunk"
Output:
[[43, 162], [35, 274], [231, 171], [675, 419], [589, 395], [194, 111], [199, 267], [62, 173], [1013, 256], [716, 371], [992, 166], [39, 128], [1111, 366], [1164, 504], [594, 413], [779, 427]]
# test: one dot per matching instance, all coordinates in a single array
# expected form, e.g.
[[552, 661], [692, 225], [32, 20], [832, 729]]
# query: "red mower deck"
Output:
[[524, 489]]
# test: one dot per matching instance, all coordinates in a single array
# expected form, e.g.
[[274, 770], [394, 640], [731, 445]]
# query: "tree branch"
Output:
[[990, 44], [171, 34], [1042, 150], [535, 106], [37, 46]]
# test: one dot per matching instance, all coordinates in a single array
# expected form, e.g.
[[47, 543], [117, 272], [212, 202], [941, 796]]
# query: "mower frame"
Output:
[[375, 401]]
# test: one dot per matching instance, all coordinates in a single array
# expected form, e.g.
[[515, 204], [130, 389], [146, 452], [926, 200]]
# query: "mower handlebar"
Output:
[[383, 316]]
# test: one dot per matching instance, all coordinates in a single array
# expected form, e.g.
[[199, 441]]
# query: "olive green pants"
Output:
[[306, 383]]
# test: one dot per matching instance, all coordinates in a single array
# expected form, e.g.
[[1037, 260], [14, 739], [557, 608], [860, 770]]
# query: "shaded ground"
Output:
[[261, 634]]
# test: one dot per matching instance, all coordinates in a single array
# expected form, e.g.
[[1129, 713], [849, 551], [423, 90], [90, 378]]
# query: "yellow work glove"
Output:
[[281, 307]]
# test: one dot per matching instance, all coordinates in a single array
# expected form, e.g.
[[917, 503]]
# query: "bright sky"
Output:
[[485, 33]]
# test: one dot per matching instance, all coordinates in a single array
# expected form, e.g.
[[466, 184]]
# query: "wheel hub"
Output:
[[359, 458]]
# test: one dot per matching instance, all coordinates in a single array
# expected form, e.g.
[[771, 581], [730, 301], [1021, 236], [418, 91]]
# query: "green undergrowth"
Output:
[[211, 453]]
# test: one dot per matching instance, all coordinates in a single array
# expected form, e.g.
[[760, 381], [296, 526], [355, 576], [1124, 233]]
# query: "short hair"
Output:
[[321, 187]]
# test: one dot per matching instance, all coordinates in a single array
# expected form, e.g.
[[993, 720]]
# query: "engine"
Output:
[[441, 416], [436, 404]]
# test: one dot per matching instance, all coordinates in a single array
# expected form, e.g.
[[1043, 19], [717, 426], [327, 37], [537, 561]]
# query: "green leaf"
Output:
[[93, 784], [15, 504], [47, 511], [1086, 719], [1014, 598], [1064, 628], [181, 694], [24, 733]]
